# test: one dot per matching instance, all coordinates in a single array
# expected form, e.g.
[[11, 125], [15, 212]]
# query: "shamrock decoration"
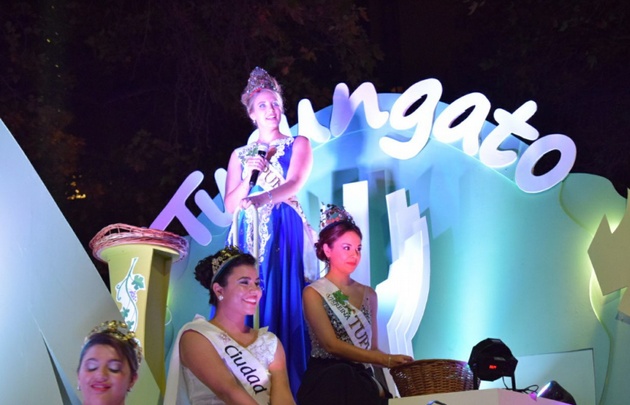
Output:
[[342, 300]]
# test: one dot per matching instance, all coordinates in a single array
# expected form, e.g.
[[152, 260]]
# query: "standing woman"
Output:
[[285, 240], [108, 364], [224, 361], [341, 315]]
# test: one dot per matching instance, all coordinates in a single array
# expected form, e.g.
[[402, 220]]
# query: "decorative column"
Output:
[[139, 261]]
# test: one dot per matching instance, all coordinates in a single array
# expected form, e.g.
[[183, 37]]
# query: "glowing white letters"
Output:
[[515, 123], [344, 107], [469, 129], [422, 118], [176, 208], [524, 176]]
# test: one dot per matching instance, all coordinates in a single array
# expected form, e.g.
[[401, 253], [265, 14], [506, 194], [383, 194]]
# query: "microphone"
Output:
[[262, 152]]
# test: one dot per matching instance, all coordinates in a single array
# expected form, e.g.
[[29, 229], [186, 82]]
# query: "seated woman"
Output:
[[341, 315], [108, 364], [224, 361]]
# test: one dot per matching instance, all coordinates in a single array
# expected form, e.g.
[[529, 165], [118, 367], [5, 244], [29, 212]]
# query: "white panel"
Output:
[[51, 295], [355, 201]]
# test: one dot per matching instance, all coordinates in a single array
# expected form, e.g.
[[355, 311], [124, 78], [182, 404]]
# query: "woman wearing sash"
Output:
[[341, 315], [285, 240], [224, 361]]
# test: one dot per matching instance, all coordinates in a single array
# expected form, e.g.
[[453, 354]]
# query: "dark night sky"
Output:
[[517, 51], [570, 56]]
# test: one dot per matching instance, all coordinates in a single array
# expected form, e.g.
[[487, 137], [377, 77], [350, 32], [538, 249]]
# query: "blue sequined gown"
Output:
[[286, 256]]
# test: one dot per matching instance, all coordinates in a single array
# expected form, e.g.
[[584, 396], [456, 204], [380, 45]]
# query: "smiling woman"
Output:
[[223, 360], [263, 179], [108, 364]]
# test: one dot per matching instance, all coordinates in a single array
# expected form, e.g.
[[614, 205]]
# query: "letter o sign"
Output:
[[524, 176]]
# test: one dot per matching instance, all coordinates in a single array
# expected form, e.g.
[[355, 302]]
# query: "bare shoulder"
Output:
[[370, 293], [302, 141], [192, 337], [235, 152], [302, 138], [369, 290], [310, 293]]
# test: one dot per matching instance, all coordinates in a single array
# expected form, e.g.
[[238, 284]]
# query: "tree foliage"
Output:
[[115, 102], [571, 57]]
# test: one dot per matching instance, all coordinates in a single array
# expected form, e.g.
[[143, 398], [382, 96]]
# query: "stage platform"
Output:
[[476, 397]]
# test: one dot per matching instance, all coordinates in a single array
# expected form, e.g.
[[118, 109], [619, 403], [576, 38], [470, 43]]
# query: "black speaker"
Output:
[[491, 359]]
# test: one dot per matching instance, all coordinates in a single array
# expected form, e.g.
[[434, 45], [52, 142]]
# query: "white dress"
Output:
[[184, 388]]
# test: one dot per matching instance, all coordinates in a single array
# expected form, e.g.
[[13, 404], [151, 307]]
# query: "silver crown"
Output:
[[259, 79], [331, 214]]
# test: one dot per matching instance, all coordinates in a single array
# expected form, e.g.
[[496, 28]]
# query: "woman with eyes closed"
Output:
[[341, 315], [223, 360], [108, 364]]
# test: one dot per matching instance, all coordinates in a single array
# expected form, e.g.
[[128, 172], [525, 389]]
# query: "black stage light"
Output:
[[553, 390], [491, 359]]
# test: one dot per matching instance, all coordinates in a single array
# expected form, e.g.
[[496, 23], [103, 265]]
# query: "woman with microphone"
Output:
[[263, 179]]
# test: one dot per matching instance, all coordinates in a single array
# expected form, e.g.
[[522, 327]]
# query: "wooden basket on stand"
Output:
[[426, 377]]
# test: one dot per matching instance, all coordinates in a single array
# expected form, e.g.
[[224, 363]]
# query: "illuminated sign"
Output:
[[477, 136], [468, 131]]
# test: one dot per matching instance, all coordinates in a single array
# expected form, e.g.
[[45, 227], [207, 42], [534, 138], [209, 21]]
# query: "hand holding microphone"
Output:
[[262, 152]]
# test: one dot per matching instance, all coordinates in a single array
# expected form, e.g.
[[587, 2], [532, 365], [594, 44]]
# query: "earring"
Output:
[[220, 297], [129, 389], [78, 387]]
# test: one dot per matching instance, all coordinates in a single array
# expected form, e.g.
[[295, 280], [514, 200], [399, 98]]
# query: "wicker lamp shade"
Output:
[[434, 376]]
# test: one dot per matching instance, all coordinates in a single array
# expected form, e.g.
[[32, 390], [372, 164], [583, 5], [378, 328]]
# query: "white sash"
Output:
[[245, 367], [352, 319], [252, 375], [271, 177]]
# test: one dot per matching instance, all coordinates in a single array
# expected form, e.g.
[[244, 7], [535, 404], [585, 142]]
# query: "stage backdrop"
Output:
[[51, 295], [480, 246], [459, 225]]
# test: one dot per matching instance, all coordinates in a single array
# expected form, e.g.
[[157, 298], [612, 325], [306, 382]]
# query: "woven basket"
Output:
[[425, 377]]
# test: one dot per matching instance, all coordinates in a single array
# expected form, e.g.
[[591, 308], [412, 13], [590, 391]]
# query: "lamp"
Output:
[[491, 359], [553, 390]]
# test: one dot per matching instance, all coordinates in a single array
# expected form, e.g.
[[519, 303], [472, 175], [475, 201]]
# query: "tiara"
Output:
[[120, 331], [222, 258], [330, 214], [259, 79]]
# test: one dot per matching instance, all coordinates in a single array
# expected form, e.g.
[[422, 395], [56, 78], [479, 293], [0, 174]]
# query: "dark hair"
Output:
[[124, 349], [204, 272], [331, 233]]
